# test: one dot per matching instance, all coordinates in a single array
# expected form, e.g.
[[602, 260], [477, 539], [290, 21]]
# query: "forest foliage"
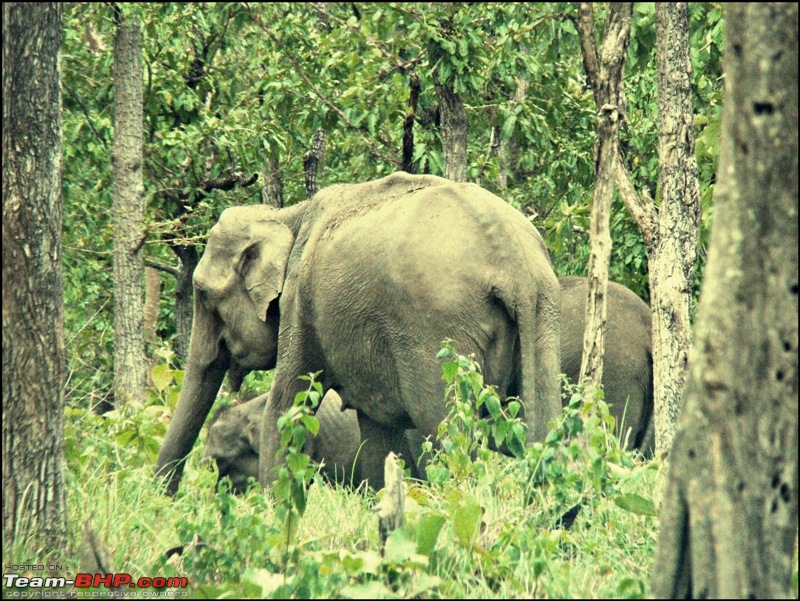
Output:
[[233, 90]]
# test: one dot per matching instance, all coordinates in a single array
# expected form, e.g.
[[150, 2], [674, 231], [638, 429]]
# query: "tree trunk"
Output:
[[454, 129], [670, 230], [509, 149], [129, 361], [729, 517], [152, 300], [34, 362], [314, 162], [610, 103], [272, 192], [408, 124], [184, 300], [672, 260]]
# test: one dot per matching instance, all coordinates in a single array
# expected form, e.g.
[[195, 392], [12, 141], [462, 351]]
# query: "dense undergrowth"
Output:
[[573, 516]]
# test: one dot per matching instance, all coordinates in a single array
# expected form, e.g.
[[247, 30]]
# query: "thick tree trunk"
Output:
[[672, 259], [128, 212], [610, 103], [454, 129], [34, 363], [729, 518]]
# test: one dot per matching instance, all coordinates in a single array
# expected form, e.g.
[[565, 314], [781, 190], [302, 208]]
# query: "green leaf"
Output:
[[311, 423], [162, 376], [297, 462], [493, 405], [449, 371], [636, 504], [264, 581], [466, 513], [399, 547], [428, 529], [299, 496]]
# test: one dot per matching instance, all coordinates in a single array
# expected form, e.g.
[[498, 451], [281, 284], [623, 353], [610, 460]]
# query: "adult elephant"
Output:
[[628, 361], [363, 282], [233, 440]]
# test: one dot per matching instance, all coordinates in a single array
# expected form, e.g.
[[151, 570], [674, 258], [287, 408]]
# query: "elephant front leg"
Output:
[[377, 441]]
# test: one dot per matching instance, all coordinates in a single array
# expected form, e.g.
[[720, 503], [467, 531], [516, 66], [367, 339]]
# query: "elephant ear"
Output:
[[263, 263]]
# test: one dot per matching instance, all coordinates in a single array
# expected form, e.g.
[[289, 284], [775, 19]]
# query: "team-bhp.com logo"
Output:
[[84, 580]]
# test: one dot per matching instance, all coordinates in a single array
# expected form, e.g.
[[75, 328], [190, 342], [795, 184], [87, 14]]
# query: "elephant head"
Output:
[[235, 329], [232, 442]]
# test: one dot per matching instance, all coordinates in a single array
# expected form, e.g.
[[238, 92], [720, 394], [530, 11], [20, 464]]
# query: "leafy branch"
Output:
[[373, 147]]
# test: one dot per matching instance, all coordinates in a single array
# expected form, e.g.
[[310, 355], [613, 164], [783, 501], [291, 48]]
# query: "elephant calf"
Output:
[[233, 439], [627, 379]]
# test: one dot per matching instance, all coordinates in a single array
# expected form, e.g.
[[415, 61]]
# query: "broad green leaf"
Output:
[[265, 581], [400, 547], [428, 529], [449, 371], [162, 376], [466, 513], [636, 504]]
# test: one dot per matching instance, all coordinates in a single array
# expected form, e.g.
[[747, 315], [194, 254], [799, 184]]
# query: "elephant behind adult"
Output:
[[628, 361], [368, 279]]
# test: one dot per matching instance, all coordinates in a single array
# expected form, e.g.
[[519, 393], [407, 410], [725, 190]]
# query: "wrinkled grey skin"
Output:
[[627, 382], [233, 441], [363, 282], [628, 361]]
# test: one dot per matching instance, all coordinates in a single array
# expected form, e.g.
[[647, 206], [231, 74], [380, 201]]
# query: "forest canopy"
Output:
[[235, 90]]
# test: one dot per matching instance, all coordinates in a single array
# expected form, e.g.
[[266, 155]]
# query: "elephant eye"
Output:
[[246, 260], [203, 297]]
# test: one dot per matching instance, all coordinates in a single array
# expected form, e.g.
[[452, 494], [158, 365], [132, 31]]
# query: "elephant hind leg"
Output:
[[377, 442]]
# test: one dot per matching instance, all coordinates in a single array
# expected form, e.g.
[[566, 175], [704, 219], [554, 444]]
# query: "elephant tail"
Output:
[[646, 442], [538, 335]]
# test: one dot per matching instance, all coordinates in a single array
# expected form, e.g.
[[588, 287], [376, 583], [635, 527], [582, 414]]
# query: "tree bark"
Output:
[[314, 162], [272, 192], [675, 254], [408, 124], [670, 230], [454, 129], [610, 103], [152, 300], [729, 517], [128, 215], [34, 362], [184, 299]]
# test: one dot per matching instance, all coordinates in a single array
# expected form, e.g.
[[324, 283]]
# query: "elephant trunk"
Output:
[[200, 388]]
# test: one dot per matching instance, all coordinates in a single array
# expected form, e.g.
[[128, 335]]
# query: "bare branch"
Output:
[[642, 209], [161, 267], [585, 27]]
